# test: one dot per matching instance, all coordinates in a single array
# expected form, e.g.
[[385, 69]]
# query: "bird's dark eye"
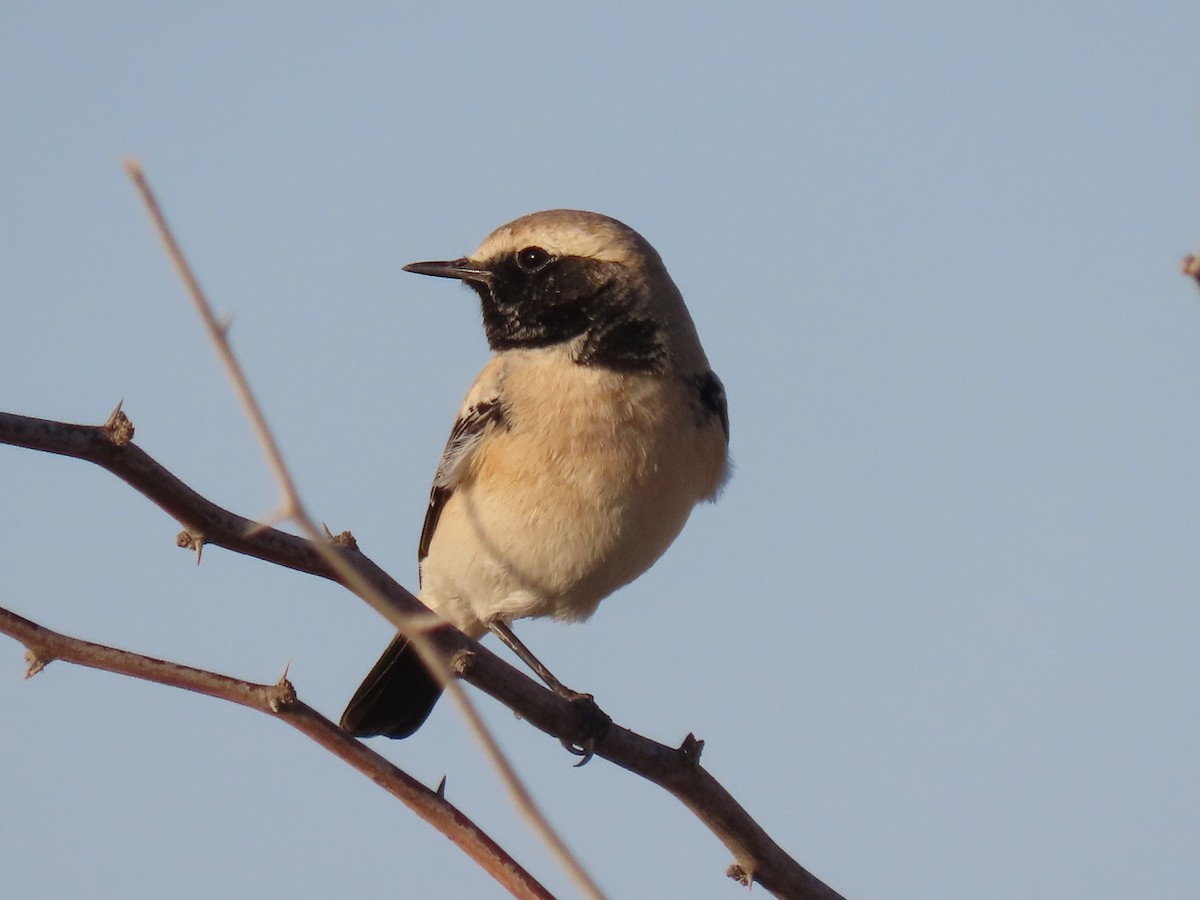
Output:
[[531, 259]]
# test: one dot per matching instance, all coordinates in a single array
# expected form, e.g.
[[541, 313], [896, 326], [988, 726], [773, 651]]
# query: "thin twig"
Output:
[[293, 508]]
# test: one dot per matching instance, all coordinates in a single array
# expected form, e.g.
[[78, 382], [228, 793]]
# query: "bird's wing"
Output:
[[482, 411], [712, 398]]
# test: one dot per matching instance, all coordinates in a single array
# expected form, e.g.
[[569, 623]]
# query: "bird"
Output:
[[577, 456]]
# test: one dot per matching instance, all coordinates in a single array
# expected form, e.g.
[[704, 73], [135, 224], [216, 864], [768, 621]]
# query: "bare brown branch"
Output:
[[757, 857], [280, 700]]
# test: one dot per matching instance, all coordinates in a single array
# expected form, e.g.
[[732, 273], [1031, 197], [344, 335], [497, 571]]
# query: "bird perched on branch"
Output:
[[578, 454]]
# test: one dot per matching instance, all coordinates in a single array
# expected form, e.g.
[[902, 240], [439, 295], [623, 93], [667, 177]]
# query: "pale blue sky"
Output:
[[940, 632]]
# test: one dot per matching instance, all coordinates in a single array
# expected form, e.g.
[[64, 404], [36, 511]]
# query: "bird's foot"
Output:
[[595, 723]]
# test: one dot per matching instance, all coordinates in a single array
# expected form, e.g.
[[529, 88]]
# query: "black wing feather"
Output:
[[712, 398], [467, 432]]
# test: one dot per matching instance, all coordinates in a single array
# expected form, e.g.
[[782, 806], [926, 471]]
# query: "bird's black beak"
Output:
[[461, 269]]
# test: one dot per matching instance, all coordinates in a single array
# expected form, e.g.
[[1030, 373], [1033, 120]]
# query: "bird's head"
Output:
[[580, 278]]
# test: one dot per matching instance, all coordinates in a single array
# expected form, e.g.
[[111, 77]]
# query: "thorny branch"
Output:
[[678, 770], [279, 700]]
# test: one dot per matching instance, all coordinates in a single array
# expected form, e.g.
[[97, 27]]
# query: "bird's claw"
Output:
[[596, 723]]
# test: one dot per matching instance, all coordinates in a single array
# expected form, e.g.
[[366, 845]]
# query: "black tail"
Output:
[[395, 698]]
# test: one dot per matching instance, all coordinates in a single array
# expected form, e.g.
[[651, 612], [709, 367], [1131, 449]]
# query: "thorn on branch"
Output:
[[118, 429], [1191, 267], [36, 661], [441, 789], [283, 696], [689, 751], [740, 874], [190, 540], [345, 539], [460, 662]]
